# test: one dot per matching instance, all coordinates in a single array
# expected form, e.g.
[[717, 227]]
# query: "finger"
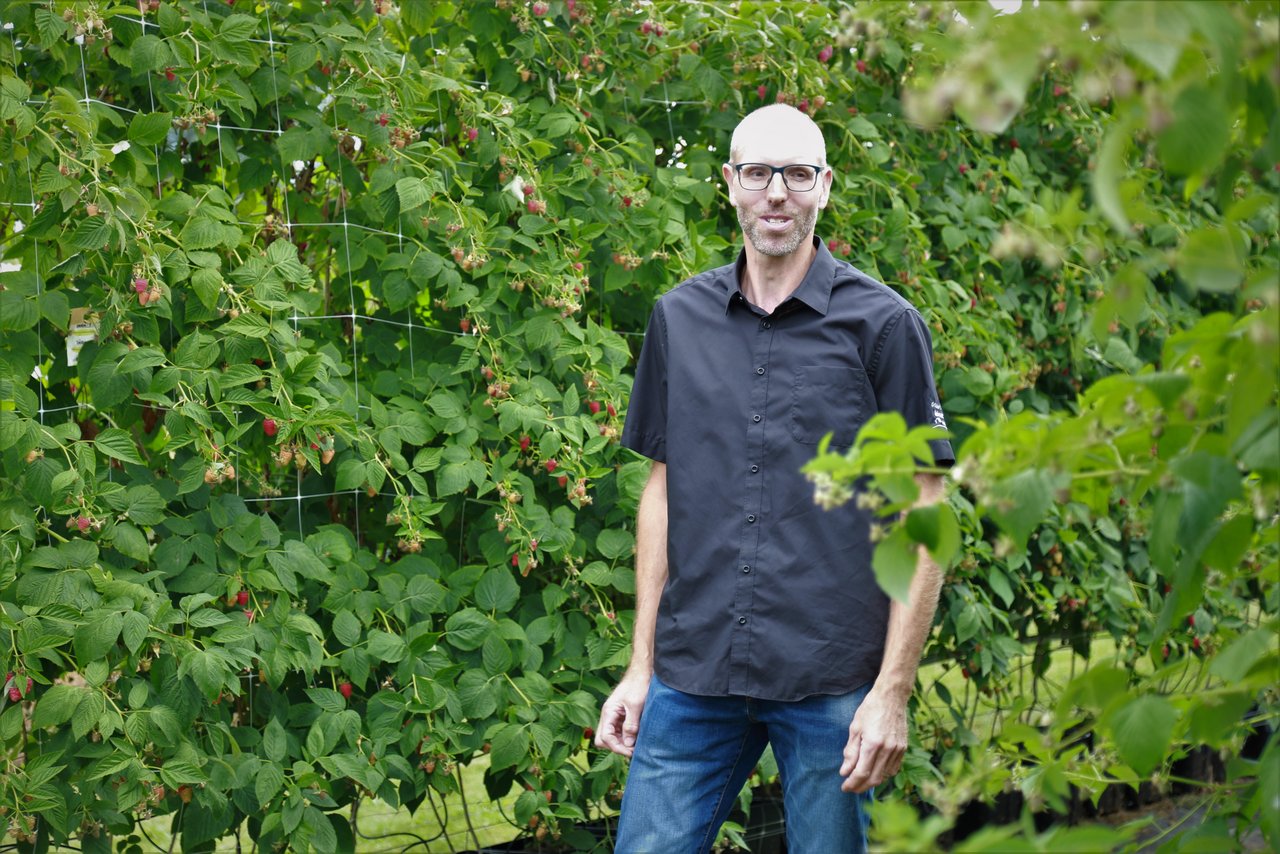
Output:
[[870, 755], [851, 750], [631, 729], [607, 736]]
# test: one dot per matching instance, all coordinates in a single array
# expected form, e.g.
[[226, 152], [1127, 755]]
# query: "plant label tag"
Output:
[[82, 329]]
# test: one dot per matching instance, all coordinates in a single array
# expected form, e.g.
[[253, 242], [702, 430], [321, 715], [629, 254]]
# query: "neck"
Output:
[[768, 280]]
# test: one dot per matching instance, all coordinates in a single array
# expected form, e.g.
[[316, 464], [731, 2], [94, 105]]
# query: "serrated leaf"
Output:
[[467, 629], [327, 699], [117, 444], [497, 591], [385, 646], [615, 543], [56, 705], [133, 630], [274, 742], [150, 128], [1142, 730], [90, 233], [413, 193], [94, 638], [346, 628], [508, 746], [894, 563], [269, 781]]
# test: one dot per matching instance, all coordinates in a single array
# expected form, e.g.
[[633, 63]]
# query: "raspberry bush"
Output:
[[318, 322]]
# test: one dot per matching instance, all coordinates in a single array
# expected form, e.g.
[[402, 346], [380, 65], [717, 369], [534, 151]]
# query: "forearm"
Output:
[[651, 567], [910, 623]]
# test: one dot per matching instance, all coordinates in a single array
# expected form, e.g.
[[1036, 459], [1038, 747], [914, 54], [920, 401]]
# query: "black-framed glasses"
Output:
[[798, 177]]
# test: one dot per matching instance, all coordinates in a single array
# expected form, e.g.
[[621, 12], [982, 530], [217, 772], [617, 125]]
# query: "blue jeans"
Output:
[[693, 754]]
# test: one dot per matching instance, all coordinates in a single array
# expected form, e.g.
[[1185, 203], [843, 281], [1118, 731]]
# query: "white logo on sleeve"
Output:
[[938, 420]]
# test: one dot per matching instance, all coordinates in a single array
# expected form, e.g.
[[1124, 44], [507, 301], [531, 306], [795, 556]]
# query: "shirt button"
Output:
[[746, 569], [742, 621], [755, 469], [759, 370], [767, 325], [751, 517], [755, 418]]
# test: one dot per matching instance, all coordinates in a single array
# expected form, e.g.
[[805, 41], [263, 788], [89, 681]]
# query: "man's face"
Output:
[[778, 221]]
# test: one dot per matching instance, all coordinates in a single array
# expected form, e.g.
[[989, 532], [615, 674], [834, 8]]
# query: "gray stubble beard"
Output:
[[803, 223]]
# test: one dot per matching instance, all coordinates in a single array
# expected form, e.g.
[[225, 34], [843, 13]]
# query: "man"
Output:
[[758, 619]]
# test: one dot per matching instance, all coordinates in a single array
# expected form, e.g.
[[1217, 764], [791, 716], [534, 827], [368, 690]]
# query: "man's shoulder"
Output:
[[709, 284], [867, 295]]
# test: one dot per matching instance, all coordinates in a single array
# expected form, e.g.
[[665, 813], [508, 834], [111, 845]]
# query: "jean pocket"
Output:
[[829, 399]]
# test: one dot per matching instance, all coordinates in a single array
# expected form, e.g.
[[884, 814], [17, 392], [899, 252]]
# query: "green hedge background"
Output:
[[319, 319]]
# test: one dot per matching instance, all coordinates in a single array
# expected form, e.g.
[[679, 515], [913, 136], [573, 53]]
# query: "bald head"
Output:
[[778, 132]]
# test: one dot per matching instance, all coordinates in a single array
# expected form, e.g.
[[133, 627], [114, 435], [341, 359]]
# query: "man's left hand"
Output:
[[877, 742]]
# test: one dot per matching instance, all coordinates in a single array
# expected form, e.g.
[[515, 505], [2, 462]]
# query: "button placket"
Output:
[[744, 594]]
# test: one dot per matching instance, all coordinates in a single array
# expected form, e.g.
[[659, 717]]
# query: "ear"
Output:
[[726, 171], [827, 178]]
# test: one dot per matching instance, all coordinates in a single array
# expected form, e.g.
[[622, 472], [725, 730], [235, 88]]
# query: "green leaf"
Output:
[[327, 699], [1239, 657], [302, 56], [445, 405], [1142, 730], [385, 646], [936, 528], [91, 232], [1195, 142], [413, 193], [95, 637], [496, 656], [150, 128], [466, 629], [1153, 32], [117, 444], [1108, 174], [1019, 503], [207, 669], [133, 630], [346, 628], [323, 837], [269, 780], [999, 584], [130, 542], [1209, 260], [509, 745], [615, 543], [894, 563], [274, 742], [497, 591], [56, 705]]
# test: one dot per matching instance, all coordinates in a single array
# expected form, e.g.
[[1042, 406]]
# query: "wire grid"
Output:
[[351, 317]]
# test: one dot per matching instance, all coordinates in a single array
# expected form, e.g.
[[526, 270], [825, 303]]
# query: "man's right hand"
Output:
[[620, 715]]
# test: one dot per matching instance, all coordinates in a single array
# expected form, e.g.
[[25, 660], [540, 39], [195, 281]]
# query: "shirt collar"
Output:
[[814, 290]]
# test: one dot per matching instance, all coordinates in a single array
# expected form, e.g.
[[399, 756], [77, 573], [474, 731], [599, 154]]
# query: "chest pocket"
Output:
[[829, 399]]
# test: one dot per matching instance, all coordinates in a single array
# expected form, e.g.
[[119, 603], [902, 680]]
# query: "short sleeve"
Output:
[[645, 430], [903, 378]]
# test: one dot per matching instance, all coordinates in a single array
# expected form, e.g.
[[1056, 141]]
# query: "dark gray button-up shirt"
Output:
[[768, 595]]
